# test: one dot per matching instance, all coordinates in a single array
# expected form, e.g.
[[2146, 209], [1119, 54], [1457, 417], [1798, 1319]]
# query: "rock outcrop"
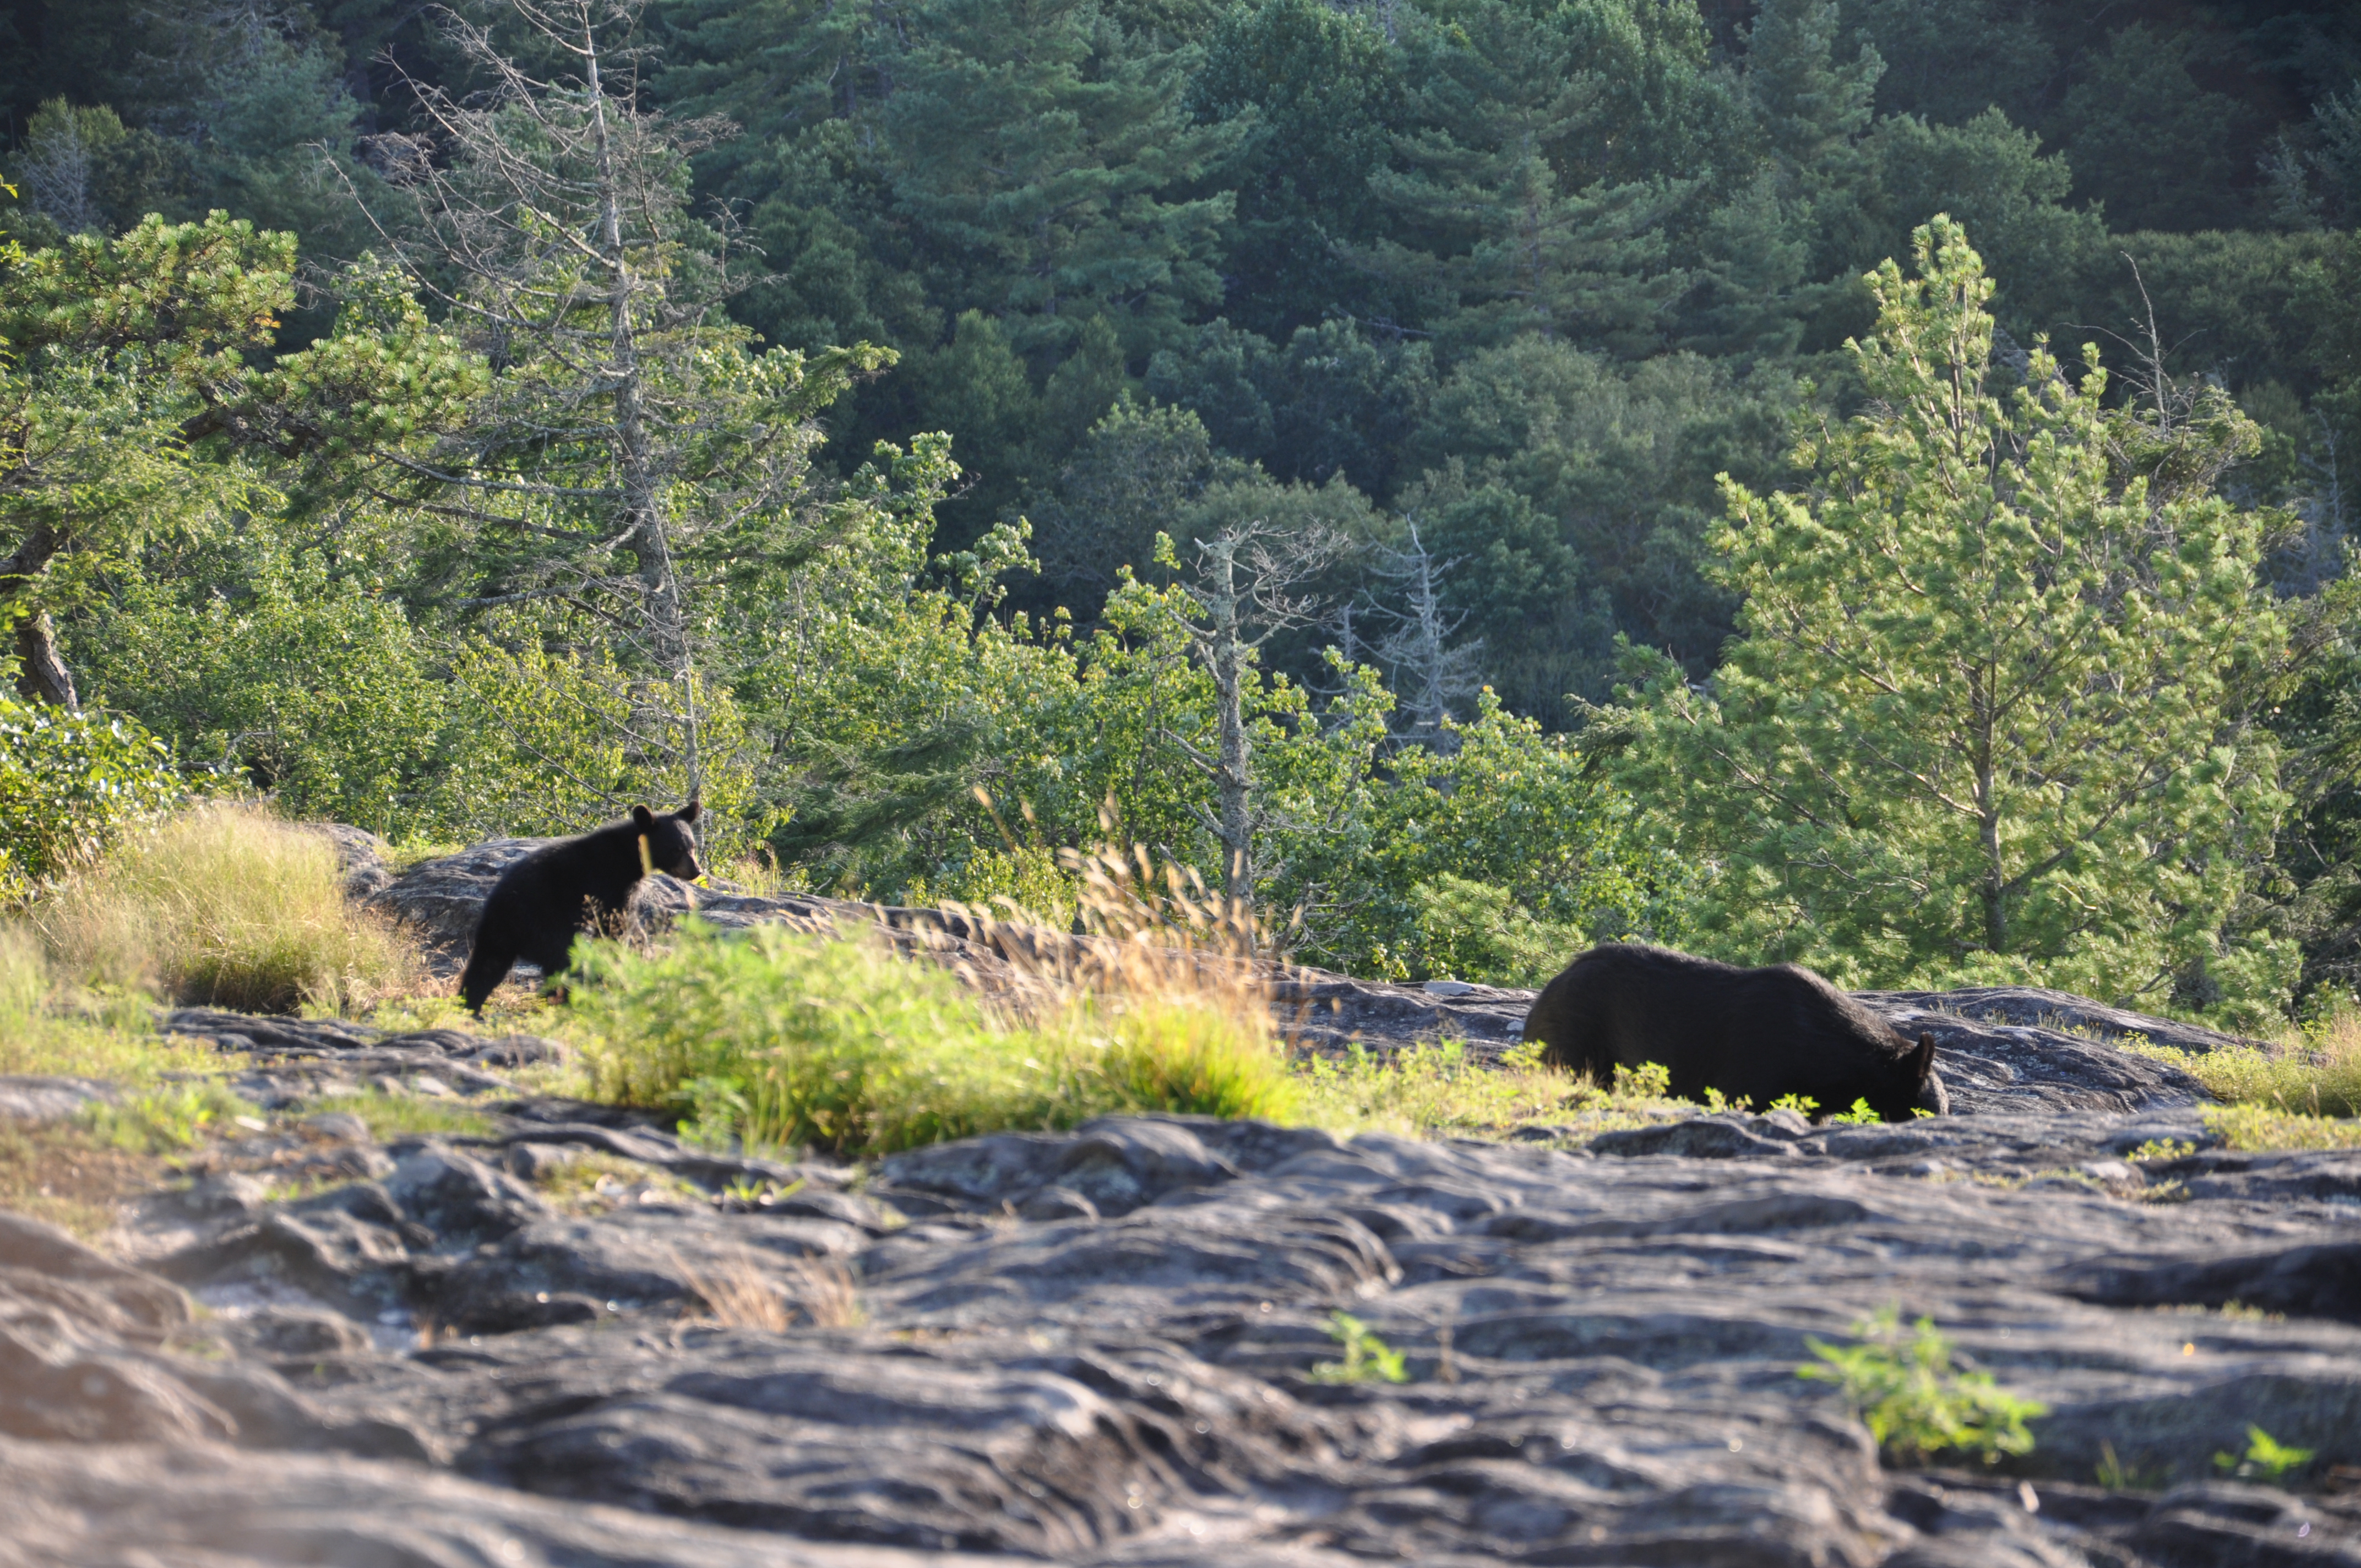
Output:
[[572, 1338], [1105, 1345]]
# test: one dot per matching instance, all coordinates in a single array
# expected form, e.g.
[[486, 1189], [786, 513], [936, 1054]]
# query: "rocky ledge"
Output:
[[571, 1338]]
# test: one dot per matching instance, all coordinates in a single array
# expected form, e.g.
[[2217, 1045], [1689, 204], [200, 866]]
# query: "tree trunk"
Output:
[[42, 673], [1233, 771], [647, 531]]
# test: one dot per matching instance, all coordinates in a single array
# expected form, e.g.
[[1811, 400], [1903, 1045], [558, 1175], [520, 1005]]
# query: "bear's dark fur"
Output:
[[1756, 1034], [543, 901]]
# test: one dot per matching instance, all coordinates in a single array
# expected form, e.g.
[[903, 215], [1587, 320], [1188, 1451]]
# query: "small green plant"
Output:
[[1368, 1358], [1915, 1400], [1648, 1080], [159, 1120], [1801, 1104], [1717, 1102], [2161, 1148], [2265, 1456], [1861, 1115]]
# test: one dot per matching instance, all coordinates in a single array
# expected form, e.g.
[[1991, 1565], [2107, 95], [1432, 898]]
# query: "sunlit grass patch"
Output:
[[782, 1039], [1428, 1090], [2262, 1128], [404, 1115], [223, 906]]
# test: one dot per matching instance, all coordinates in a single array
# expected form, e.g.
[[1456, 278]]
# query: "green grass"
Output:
[[1441, 1090], [1915, 1400], [2260, 1129], [2303, 1091], [223, 906], [782, 1040], [403, 1115]]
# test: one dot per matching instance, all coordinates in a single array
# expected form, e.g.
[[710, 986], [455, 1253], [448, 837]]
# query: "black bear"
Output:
[[578, 885], [1756, 1034]]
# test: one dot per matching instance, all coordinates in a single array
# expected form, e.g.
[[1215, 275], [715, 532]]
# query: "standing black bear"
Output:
[[540, 902], [1756, 1034]]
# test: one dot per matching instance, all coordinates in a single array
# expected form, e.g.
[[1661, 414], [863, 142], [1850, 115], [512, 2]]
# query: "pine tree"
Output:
[[635, 450], [1987, 715], [1506, 239], [1043, 162]]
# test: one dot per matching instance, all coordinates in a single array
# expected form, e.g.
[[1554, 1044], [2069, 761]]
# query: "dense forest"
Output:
[[1851, 480]]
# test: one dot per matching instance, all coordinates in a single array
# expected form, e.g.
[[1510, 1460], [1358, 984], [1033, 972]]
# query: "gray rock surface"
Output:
[[1108, 1346], [35, 1101], [1102, 1347]]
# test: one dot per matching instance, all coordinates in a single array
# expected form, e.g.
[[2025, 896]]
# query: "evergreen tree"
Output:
[[1986, 716], [1507, 241], [1320, 92], [1042, 160]]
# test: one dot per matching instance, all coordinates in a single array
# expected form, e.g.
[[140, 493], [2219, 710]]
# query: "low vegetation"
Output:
[[1907, 1388], [838, 1043], [223, 906], [2314, 1072]]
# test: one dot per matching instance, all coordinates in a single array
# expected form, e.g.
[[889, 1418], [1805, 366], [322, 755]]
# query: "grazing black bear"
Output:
[[1756, 1034], [579, 884]]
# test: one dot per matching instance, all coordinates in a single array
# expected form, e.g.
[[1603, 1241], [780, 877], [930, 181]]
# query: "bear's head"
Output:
[[671, 844], [1910, 1083]]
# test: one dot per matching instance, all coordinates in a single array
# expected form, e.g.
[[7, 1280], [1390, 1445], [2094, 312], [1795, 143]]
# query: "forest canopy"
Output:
[[1850, 480]]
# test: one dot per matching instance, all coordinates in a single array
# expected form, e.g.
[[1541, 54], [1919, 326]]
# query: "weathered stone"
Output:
[[37, 1101]]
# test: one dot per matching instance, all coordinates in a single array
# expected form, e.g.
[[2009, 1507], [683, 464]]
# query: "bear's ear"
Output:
[[1922, 1058], [688, 813], [642, 818]]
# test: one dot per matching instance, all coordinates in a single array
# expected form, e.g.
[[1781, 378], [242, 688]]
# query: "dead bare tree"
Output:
[[1427, 669], [1242, 583], [635, 445]]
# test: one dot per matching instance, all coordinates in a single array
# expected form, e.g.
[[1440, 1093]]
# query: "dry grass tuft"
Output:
[[817, 1292], [224, 905]]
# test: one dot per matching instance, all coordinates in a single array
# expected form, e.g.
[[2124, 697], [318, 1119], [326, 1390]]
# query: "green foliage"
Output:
[[1368, 1358], [1912, 1398], [1861, 1115], [69, 785], [2312, 1074], [795, 1040], [2265, 1456], [1986, 717], [1496, 860], [165, 1119]]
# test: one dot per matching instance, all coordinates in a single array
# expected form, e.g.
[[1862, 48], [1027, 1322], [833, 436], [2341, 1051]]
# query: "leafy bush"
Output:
[[787, 1039], [70, 782], [228, 906], [1914, 1402]]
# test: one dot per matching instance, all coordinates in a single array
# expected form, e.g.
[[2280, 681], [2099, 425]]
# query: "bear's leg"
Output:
[[488, 965], [553, 954]]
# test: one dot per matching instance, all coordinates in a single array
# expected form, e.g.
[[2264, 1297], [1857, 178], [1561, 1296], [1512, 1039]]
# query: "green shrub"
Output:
[[2316, 1072], [69, 784], [785, 1039], [1914, 1402], [224, 905]]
